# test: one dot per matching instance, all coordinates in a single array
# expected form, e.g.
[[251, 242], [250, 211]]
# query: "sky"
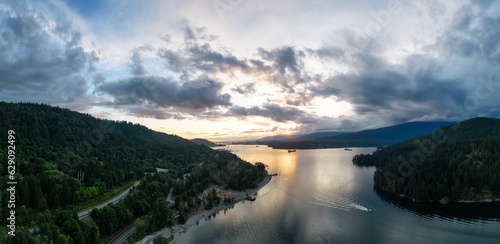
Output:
[[232, 70]]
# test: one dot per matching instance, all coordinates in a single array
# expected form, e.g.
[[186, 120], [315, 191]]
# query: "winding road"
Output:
[[169, 197], [85, 214]]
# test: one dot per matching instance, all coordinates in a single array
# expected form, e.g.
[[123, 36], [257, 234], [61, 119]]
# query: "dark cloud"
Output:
[[205, 59], [330, 52], [162, 92], [189, 34], [305, 95], [259, 65], [75, 40], [194, 34], [173, 59], [295, 102], [272, 111], [323, 91], [92, 60], [399, 95], [22, 27], [473, 33], [432, 86], [136, 67], [483, 3], [341, 123], [284, 59], [300, 98], [198, 57], [98, 79], [245, 89], [285, 66], [40, 62]]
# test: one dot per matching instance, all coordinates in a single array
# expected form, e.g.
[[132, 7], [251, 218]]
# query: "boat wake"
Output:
[[335, 197], [330, 197], [342, 201], [357, 206]]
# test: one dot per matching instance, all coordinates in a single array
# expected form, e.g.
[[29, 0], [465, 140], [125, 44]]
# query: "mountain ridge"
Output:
[[366, 138]]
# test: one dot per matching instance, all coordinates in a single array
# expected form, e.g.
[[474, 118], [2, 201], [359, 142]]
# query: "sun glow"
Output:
[[287, 129]]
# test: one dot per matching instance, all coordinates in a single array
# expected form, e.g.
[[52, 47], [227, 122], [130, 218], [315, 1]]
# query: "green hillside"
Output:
[[456, 162], [52, 145]]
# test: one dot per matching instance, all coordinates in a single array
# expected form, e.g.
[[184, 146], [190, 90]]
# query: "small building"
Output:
[[159, 170]]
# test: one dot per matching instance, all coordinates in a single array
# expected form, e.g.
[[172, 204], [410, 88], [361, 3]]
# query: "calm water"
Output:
[[320, 197]]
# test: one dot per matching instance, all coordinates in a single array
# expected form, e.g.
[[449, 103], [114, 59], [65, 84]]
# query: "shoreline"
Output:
[[201, 214], [479, 201], [461, 201]]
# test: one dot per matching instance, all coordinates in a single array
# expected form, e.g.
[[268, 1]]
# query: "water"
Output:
[[321, 197]]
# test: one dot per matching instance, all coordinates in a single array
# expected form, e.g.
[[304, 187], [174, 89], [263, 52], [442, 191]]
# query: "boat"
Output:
[[250, 198], [292, 151], [347, 149]]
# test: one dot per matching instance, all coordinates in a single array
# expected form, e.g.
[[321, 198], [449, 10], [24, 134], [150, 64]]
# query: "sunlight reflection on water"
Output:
[[319, 196]]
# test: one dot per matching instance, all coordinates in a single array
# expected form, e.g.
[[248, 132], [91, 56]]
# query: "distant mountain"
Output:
[[392, 134], [269, 139], [373, 138], [298, 137], [279, 138], [456, 162], [321, 135], [207, 143]]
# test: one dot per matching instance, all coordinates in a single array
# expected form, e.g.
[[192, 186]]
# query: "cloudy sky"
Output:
[[243, 69]]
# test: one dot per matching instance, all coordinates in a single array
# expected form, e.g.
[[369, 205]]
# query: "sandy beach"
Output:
[[198, 215]]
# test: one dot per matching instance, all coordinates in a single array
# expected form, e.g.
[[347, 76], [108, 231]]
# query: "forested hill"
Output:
[[366, 138], [205, 142], [52, 145], [455, 162]]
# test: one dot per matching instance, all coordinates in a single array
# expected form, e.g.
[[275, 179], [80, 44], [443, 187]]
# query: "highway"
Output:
[[85, 214]]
